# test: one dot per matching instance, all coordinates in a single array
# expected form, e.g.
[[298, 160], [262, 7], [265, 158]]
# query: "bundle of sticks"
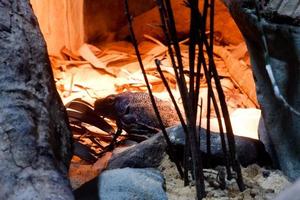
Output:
[[190, 92]]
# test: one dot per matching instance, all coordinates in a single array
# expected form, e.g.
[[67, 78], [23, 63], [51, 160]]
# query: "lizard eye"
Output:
[[110, 100]]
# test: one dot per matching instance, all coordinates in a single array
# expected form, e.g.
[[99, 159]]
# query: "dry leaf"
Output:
[[239, 51], [68, 54], [120, 46], [102, 162], [106, 59], [96, 51], [88, 55], [239, 73]]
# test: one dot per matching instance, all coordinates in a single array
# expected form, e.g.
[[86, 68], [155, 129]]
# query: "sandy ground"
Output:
[[261, 184]]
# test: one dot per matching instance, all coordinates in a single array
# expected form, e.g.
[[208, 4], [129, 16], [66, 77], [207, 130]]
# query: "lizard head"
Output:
[[106, 106]]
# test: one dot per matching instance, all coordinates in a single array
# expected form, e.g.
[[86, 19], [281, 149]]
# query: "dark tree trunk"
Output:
[[35, 145], [282, 127]]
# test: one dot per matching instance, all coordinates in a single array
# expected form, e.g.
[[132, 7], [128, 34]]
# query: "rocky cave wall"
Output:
[[35, 140], [70, 23], [100, 21], [279, 126]]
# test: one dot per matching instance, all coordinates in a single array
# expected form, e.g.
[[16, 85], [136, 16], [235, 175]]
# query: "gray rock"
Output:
[[151, 152], [35, 145], [123, 184], [249, 151], [290, 193], [282, 127], [283, 11], [132, 184], [147, 154]]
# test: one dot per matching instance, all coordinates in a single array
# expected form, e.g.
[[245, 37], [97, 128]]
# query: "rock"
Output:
[[103, 18], [147, 154], [291, 193], [95, 22], [282, 126], [36, 142], [132, 184], [249, 151], [147, 23], [283, 11], [125, 184], [151, 152], [263, 136]]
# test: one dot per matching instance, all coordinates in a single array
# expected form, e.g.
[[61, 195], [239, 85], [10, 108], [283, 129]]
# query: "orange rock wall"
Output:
[[61, 22], [148, 21], [70, 23]]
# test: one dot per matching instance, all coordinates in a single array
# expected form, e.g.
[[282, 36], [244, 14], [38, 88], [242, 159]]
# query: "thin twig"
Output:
[[187, 103], [192, 56], [208, 75], [212, 21], [208, 136], [165, 82], [164, 21], [185, 129], [201, 58], [181, 86], [134, 41], [229, 131], [200, 120], [217, 111]]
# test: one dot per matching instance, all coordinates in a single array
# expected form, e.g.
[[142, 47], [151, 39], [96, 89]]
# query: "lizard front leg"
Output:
[[117, 134]]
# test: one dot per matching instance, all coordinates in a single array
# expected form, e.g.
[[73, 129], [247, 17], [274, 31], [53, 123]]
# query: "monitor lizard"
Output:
[[133, 112]]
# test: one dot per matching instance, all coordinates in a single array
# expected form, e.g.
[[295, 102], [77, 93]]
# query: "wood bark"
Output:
[[35, 145], [281, 135], [281, 11]]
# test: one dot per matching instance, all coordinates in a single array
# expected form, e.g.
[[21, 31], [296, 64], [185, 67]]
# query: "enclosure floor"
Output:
[[258, 186]]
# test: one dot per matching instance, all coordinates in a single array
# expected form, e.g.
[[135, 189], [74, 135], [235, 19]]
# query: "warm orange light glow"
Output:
[[244, 122]]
